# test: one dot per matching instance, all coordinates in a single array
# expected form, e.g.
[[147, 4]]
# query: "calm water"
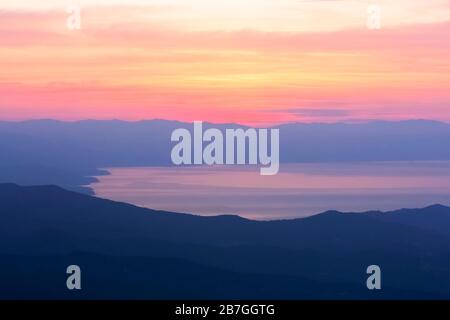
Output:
[[298, 190]]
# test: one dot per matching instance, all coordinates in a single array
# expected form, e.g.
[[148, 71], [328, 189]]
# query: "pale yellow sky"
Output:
[[263, 15]]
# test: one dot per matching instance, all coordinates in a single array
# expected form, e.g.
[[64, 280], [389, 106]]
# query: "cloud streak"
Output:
[[133, 61]]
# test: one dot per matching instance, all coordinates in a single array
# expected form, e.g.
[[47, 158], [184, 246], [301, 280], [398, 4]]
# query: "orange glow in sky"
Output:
[[247, 61]]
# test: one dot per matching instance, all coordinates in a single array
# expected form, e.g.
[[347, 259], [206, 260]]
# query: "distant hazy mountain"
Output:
[[74, 150], [72, 179], [119, 143], [131, 252]]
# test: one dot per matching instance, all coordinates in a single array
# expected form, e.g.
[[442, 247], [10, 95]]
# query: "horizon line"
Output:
[[346, 122]]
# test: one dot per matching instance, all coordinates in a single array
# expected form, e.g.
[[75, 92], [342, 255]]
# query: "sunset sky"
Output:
[[247, 61]]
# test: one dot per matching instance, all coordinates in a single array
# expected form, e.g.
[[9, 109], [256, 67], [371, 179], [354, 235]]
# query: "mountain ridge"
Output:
[[54, 152], [10, 186], [324, 256]]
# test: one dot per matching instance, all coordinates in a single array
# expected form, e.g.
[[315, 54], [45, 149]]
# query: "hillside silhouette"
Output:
[[131, 252]]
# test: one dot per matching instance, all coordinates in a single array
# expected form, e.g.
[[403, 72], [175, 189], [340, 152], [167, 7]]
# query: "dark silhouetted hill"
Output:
[[131, 252]]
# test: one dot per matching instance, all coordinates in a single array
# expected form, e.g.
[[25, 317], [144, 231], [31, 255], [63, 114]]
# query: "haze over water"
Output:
[[298, 190]]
